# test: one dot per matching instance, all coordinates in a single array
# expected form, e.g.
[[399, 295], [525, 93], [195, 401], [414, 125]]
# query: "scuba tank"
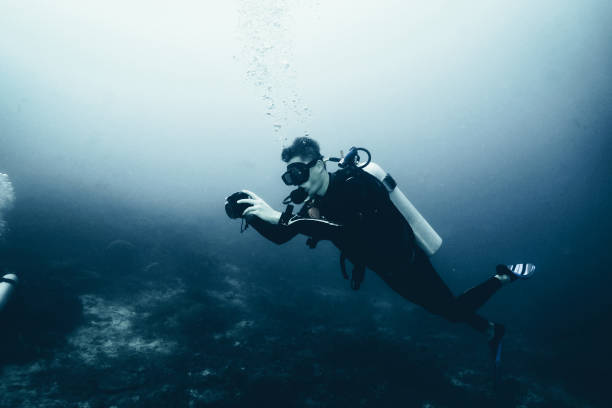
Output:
[[426, 237]]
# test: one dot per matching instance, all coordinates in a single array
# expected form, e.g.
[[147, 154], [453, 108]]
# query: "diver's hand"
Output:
[[259, 208]]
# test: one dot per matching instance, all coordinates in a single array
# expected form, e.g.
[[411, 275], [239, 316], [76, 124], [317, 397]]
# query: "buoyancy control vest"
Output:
[[361, 205], [427, 238]]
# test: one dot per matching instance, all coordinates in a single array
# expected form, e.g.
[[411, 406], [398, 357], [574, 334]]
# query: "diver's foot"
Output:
[[510, 273], [495, 344]]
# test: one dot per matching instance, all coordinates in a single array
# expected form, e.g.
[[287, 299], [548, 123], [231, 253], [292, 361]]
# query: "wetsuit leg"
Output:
[[422, 285], [474, 298]]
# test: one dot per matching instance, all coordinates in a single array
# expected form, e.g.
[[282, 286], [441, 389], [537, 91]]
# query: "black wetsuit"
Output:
[[370, 231]]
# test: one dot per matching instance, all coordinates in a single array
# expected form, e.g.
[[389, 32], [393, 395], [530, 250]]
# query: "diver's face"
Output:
[[315, 180]]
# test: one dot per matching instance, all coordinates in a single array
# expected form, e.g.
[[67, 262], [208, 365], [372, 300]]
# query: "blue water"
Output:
[[136, 290]]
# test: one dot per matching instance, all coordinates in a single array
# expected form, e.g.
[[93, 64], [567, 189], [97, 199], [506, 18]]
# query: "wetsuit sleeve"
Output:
[[277, 233], [298, 224]]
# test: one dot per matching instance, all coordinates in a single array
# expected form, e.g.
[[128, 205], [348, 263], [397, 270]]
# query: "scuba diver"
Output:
[[357, 210]]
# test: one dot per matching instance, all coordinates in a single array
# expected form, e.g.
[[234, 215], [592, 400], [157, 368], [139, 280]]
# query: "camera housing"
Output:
[[232, 208]]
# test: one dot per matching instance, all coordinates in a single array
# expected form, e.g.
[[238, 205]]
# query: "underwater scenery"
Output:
[[458, 256]]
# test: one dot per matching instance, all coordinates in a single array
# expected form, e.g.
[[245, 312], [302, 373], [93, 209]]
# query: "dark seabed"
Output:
[[122, 307]]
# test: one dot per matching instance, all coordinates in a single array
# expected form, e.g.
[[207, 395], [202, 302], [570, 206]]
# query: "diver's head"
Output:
[[305, 166]]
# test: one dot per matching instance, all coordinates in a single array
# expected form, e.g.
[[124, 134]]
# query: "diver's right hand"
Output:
[[259, 208]]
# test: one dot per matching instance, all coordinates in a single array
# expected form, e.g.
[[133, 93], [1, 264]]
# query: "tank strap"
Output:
[[389, 182]]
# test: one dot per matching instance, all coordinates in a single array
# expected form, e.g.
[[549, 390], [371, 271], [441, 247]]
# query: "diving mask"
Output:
[[298, 172]]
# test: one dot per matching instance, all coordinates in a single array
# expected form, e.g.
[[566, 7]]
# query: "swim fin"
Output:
[[495, 344], [518, 271], [495, 349]]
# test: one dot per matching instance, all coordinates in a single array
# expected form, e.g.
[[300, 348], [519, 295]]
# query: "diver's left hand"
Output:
[[259, 208]]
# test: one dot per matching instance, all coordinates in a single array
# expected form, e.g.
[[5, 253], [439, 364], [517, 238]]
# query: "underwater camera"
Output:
[[232, 208]]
